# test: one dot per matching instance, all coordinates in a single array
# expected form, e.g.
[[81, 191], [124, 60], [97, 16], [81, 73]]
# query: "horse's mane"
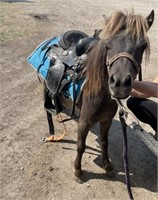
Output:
[[96, 72]]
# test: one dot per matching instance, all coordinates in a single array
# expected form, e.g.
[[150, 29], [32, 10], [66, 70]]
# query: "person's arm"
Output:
[[145, 89]]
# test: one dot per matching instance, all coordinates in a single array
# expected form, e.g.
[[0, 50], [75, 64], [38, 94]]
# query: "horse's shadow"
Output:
[[142, 162]]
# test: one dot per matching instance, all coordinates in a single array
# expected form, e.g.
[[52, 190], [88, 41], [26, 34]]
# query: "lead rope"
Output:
[[123, 116]]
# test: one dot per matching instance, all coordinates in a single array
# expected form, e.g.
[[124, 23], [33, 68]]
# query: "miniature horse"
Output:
[[110, 68]]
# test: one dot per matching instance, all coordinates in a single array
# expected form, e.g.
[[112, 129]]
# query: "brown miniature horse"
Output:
[[111, 67]]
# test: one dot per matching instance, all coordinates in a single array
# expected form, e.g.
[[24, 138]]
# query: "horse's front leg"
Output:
[[104, 129], [82, 132]]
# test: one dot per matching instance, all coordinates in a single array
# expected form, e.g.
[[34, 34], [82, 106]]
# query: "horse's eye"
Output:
[[144, 46]]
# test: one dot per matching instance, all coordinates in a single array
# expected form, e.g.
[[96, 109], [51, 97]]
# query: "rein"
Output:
[[123, 116]]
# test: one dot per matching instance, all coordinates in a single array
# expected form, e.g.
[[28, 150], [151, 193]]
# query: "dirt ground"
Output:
[[31, 171]]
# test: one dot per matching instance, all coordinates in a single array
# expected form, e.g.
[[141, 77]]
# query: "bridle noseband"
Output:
[[126, 55]]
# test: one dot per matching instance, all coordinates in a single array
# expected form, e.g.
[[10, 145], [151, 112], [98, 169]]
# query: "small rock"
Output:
[[18, 132], [51, 169], [42, 175], [2, 139], [34, 173]]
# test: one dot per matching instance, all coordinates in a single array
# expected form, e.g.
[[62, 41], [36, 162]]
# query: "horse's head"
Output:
[[126, 36]]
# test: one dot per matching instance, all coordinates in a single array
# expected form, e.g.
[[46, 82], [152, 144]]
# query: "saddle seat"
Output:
[[74, 38], [70, 38]]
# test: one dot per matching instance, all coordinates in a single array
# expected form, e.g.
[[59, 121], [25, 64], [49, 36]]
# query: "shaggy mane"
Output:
[[136, 25]]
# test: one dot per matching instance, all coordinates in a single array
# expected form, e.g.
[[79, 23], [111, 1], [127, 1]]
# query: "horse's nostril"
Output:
[[128, 80], [113, 78], [114, 81]]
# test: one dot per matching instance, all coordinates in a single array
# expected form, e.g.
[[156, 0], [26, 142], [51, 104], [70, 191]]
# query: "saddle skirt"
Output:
[[39, 59]]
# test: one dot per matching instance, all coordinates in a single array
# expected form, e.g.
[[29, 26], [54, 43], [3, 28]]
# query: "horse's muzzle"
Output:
[[120, 87]]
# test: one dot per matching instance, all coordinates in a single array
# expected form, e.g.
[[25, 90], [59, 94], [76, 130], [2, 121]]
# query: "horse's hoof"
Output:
[[110, 174], [78, 173], [79, 176], [108, 167], [79, 180], [109, 170]]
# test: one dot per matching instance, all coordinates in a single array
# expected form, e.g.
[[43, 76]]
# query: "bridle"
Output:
[[109, 62]]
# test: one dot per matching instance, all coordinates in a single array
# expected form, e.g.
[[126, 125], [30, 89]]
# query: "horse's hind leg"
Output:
[[82, 132], [50, 123], [104, 129], [49, 109]]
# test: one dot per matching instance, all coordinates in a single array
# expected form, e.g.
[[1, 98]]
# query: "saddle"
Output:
[[66, 58]]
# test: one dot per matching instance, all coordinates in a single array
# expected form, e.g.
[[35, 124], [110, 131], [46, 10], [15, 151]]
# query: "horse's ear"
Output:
[[150, 18]]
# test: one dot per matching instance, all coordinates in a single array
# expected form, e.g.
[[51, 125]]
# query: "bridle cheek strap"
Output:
[[126, 55]]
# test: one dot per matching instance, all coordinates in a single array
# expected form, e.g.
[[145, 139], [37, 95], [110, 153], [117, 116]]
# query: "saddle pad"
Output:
[[68, 91], [39, 59]]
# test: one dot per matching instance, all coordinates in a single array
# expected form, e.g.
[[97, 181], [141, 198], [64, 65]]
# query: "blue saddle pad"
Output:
[[39, 60], [69, 89]]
